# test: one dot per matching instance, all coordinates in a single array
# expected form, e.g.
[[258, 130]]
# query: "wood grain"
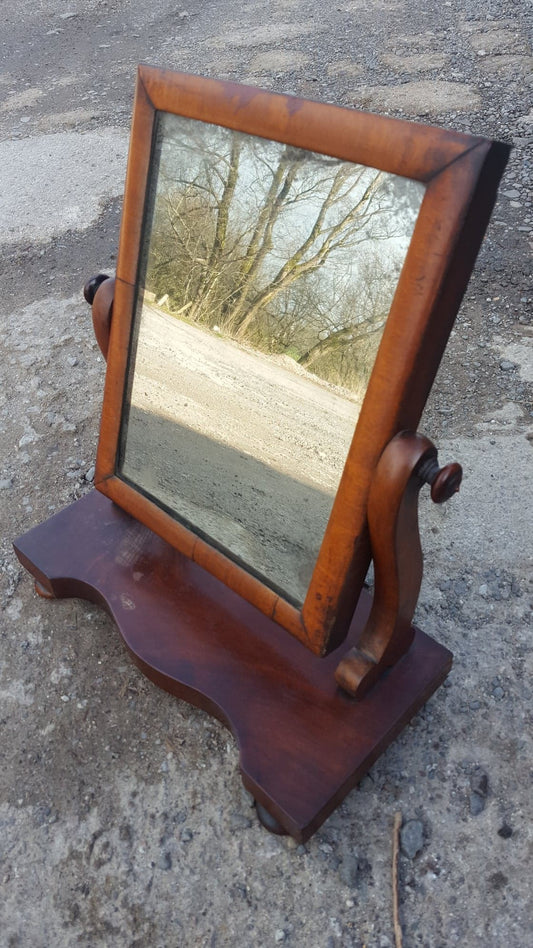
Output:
[[461, 173], [408, 461], [303, 743]]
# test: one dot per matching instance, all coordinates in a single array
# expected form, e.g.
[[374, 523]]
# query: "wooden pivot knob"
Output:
[[99, 291], [90, 288], [445, 481], [408, 462]]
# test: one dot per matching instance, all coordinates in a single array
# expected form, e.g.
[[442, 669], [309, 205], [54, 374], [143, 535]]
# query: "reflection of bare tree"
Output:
[[343, 347], [322, 240], [258, 239]]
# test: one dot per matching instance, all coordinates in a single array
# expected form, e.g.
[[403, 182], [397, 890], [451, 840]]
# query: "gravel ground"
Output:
[[123, 819]]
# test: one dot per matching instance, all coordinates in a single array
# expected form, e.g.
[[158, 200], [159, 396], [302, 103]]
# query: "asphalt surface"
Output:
[[123, 821]]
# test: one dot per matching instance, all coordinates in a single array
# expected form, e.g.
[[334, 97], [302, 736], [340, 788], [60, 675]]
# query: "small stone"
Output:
[[506, 365], [348, 870], [6, 483], [367, 785], [505, 831], [412, 838], [238, 821], [280, 935], [498, 693], [89, 475], [29, 438], [52, 418], [186, 835], [165, 861], [477, 804], [498, 880], [479, 782]]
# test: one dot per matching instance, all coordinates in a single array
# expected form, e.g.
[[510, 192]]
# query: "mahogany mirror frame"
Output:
[[461, 175]]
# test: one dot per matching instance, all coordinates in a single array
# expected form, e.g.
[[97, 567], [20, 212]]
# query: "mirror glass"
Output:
[[266, 276]]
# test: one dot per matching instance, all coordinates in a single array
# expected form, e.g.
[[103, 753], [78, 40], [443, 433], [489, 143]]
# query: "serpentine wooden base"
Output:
[[304, 743]]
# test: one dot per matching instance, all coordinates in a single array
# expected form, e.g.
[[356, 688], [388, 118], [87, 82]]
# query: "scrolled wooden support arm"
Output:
[[99, 292], [408, 461]]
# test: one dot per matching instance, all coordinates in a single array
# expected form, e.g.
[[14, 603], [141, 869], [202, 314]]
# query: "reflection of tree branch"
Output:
[[298, 264], [221, 228], [336, 340], [243, 230], [261, 241]]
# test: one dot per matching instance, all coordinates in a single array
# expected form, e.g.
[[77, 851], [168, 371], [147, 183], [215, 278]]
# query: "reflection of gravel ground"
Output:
[[237, 444]]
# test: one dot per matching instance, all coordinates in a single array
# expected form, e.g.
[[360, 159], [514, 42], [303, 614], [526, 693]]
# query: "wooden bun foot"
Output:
[[269, 822], [43, 591]]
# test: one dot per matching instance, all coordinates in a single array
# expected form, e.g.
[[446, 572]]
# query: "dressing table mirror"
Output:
[[288, 275]]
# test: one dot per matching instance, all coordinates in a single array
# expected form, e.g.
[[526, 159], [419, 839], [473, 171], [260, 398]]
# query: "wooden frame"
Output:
[[461, 174]]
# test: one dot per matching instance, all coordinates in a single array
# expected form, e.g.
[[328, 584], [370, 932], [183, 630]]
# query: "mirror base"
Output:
[[304, 744]]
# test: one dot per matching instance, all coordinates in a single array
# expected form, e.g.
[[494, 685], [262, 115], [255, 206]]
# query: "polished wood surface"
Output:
[[304, 744], [407, 463], [461, 174], [99, 291], [195, 622]]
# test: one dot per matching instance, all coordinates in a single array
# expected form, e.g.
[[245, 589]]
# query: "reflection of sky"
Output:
[[194, 152]]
